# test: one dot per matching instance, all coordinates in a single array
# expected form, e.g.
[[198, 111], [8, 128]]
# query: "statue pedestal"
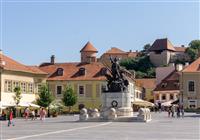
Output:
[[120, 101]]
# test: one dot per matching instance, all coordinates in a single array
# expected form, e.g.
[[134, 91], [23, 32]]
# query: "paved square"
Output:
[[67, 128]]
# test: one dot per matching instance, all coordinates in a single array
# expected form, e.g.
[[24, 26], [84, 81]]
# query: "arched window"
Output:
[[82, 71], [60, 71]]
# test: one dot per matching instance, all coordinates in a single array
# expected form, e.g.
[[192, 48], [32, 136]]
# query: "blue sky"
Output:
[[32, 31]]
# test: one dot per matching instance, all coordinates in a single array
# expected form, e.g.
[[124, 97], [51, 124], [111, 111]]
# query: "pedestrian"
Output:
[[178, 111], [32, 115], [36, 113], [26, 113], [182, 111], [173, 109], [169, 111], [10, 118], [42, 114]]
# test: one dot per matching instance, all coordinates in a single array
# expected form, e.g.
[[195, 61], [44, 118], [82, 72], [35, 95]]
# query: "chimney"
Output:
[[179, 67], [183, 46], [186, 63], [53, 59], [130, 51], [1, 58]]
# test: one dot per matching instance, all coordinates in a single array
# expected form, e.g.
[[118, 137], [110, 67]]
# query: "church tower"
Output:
[[88, 53]]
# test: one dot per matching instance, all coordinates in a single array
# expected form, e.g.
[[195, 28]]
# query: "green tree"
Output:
[[45, 96], [145, 50], [69, 98], [193, 50], [17, 97], [141, 65]]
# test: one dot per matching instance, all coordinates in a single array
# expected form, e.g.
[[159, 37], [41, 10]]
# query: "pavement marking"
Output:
[[60, 131]]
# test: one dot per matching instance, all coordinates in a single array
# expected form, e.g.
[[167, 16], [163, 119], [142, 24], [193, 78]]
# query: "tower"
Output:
[[88, 53]]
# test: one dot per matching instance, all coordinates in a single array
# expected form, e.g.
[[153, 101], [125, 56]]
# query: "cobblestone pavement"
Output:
[[67, 128]]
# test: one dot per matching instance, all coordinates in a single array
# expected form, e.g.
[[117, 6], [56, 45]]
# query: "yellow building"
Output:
[[13, 74], [190, 89], [86, 77], [148, 87]]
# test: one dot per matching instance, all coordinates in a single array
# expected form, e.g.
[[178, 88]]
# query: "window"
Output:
[[171, 97], [23, 87], [163, 85], [157, 97], [82, 71], [163, 97], [191, 86], [81, 90], [59, 90], [60, 71], [15, 84], [39, 88], [30, 87], [192, 104], [103, 88], [8, 86]]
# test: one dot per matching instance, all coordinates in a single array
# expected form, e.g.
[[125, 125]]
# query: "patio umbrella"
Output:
[[33, 105], [168, 103], [144, 103], [1, 105], [175, 102]]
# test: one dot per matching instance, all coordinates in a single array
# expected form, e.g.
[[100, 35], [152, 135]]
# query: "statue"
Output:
[[116, 81]]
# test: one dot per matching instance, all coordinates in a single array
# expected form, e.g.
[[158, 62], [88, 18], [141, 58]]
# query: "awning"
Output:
[[168, 103], [28, 104], [141, 102], [6, 104], [175, 102]]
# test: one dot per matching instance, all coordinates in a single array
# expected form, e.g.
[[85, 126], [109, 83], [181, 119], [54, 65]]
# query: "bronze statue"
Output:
[[116, 81]]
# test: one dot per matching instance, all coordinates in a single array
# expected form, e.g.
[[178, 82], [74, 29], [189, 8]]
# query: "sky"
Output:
[[32, 31]]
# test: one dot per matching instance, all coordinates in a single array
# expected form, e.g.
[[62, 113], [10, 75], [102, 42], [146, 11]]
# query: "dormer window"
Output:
[[104, 71], [176, 84], [60, 71], [82, 71], [163, 85]]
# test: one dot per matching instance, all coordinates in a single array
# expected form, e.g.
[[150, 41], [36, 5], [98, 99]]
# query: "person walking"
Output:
[[182, 111], [42, 114], [10, 118], [26, 113], [178, 111], [173, 110], [169, 111], [32, 115]]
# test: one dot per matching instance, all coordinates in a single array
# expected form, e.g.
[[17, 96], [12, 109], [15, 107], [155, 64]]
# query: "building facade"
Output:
[[190, 89], [14, 74], [162, 52], [168, 89], [118, 53], [148, 87], [86, 77]]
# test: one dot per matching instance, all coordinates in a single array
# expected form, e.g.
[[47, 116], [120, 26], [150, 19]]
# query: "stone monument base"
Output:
[[119, 101], [124, 111]]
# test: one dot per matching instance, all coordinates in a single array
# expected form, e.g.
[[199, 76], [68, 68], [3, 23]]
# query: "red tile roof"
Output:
[[193, 67], [180, 49], [13, 65], [115, 50], [171, 82], [162, 44], [88, 48], [71, 71], [147, 83], [132, 54]]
